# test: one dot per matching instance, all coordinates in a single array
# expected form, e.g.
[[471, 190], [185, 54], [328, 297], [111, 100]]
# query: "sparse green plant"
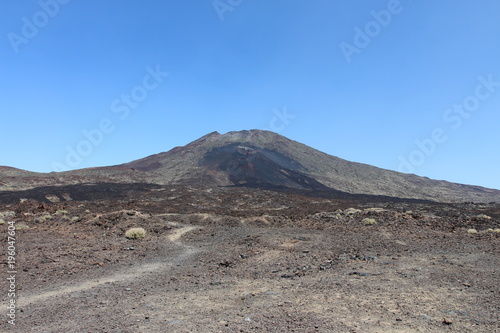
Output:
[[135, 233], [87, 211], [75, 219], [368, 221], [21, 226], [7, 214], [39, 219], [351, 211], [483, 217], [2, 221], [61, 212], [472, 231], [47, 216]]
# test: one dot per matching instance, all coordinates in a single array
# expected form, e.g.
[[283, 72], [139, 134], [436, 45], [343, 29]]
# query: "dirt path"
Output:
[[138, 272], [177, 234]]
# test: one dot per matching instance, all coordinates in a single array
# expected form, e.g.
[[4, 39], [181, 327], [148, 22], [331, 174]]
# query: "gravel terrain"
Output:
[[234, 259]]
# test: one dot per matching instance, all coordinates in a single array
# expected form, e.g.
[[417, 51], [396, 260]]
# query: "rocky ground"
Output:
[[250, 260]]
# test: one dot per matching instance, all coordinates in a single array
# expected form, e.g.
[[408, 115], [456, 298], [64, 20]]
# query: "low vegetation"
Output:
[[374, 209], [21, 226], [368, 221], [7, 214], [75, 219], [135, 233], [352, 211]]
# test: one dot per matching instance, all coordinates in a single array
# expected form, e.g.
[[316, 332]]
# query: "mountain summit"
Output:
[[264, 159]]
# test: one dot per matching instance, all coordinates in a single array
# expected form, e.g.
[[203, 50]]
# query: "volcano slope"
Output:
[[243, 259], [255, 158]]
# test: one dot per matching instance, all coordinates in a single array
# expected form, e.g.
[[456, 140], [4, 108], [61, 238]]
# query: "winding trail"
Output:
[[138, 272]]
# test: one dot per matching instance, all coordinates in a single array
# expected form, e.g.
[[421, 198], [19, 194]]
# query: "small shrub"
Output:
[[39, 219], [368, 221], [8, 214], [483, 217], [21, 226], [472, 231], [75, 219], [2, 221], [352, 211], [135, 233], [61, 212]]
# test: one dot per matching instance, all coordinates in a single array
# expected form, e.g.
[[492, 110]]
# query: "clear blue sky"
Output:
[[362, 80]]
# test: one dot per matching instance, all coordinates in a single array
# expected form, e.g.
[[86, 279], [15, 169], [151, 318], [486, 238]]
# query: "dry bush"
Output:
[[352, 211], [135, 233], [21, 226], [7, 214], [368, 221]]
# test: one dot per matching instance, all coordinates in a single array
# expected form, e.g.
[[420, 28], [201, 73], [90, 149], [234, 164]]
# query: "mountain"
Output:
[[257, 158]]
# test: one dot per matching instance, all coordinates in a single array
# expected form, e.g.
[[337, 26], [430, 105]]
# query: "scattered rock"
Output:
[[287, 276], [226, 263], [52, 198], [215, 283], [447, 321], [363, 273]]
